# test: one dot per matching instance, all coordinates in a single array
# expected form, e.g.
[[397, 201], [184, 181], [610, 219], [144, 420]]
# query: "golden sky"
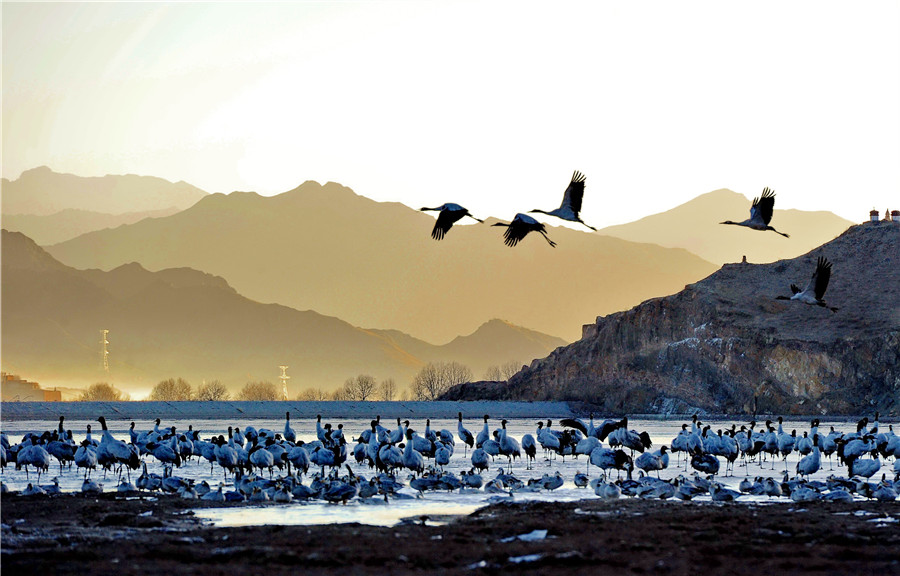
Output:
[[490, 105]]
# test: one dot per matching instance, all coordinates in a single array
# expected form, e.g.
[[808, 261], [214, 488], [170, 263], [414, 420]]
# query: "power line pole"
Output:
[[104, 351], [284, 378]]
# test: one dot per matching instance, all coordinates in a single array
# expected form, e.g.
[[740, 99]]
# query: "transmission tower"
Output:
[[284, 378], [104, 351]]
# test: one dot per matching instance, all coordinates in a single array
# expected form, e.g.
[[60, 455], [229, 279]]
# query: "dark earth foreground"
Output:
[[74, 534]]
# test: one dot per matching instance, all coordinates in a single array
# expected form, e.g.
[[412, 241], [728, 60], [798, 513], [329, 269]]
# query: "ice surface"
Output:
[[522, 418]]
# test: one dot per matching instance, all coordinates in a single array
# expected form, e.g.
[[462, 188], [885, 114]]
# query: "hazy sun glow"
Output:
[[490, 105]]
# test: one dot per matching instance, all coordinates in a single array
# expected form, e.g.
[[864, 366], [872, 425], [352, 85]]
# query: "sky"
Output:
[[491, 105]]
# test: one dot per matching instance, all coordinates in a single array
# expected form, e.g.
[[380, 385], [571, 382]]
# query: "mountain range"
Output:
[[295, 248], [42, 192], [71, 223], [185, 323], [373, 264]]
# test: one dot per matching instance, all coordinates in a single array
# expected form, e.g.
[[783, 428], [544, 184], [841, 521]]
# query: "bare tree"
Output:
[[360, 388], [509, 369], [387, 390], [313, 395], [502, 373], [435, 378], [103, 392], [341, 394], [258, 391], [171, 390], [212, 391], [493, 373]]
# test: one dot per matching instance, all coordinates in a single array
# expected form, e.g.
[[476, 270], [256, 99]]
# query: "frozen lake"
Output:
[[433, 504]]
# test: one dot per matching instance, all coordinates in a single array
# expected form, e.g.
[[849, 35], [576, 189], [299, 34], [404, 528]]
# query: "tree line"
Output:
[[433, 380]]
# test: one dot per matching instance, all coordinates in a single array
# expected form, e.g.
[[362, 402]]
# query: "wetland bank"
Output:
[[567, 530], [74, 534]]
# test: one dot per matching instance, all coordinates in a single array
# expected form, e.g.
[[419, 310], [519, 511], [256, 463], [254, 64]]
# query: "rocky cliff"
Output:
[[724, 344]]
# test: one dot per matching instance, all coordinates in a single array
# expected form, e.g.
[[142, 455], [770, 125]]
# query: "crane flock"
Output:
[[385, 463], [761, 211]]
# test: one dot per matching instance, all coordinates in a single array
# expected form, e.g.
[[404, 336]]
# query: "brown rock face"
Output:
[[725, 344]]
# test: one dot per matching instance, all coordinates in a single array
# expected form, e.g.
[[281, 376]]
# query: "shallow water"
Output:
[[432, 504]]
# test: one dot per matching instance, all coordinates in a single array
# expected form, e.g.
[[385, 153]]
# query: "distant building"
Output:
[[873, 215], [895, 216], [15, 389]]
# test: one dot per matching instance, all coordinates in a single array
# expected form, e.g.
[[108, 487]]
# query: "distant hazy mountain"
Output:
[[181, 322], [70, 223], [695, 227], [375, 264], [42, 191], [496, 342]]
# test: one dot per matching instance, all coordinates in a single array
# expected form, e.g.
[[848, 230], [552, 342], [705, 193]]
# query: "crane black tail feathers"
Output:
[[645, 440]]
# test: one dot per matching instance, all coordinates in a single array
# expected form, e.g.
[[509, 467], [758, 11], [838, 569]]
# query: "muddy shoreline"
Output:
[[76, 534]]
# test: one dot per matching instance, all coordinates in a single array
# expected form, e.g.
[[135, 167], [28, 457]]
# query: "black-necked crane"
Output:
[[760, 213], [86, 457], [520, 226], [226, 455], [814, 292], [412, 459], [464, 434], [479, 460], [571, 203], [289, 433], [649, 461], [810, 463], [530, 449], [449, 215], [484, 435], [509, 447], [116, 451]]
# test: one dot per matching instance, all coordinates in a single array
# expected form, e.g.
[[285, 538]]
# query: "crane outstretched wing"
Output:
[[574, 423], [444, 222], [765, 205], [574, 193], [821, 277], [514, 234]]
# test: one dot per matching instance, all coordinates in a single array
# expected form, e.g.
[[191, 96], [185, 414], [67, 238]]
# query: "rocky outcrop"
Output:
[[726, 345]]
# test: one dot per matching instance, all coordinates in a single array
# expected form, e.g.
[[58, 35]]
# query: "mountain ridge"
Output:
[[188, 323], [72, 222], [725, 344], [373, 263], [41, 191]]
